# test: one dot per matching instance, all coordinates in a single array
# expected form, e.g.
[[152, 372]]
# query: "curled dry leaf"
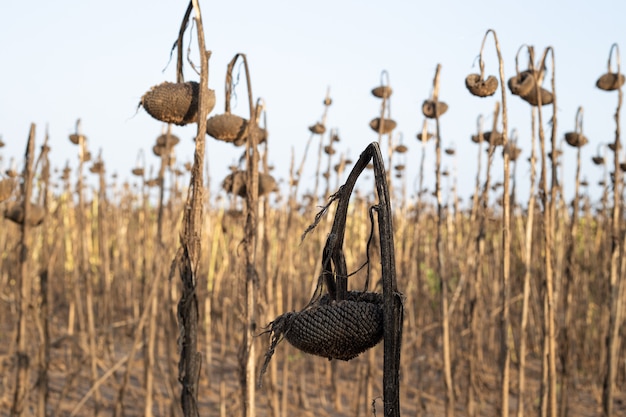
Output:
[[610, 81], [495, 139], [479, 87], [597, 160], [383, 91], [429, 136], [262, 133], [66, 173], [318, 129], [612, 146], [167, 140], [86, 157], [575, 139], [401, 148], [532, 98], [235, 183], [432, 109], [15, 213], [522, 83], [154, 182], [558, 153], [76, 138], [387, 125], [97, 168], [159, 150], [513, 151]]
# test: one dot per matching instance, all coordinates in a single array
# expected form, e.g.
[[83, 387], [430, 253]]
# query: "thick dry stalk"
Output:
[[505, 354], [84, 270], [189, 253], [22, 385], [570, 276], [475, 253], [550, 291], [548, 399], [505, 357], [156, 271], [441, 263], [616, 279], [43, 322], [105, 258], [247, 352], [393, 308], [521, 391]]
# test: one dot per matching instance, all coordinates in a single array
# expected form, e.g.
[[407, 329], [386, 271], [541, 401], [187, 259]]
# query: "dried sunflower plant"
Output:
[[341, 324], [194, 105]]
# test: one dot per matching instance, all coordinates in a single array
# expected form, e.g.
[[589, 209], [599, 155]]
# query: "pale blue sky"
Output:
[[65, 60]]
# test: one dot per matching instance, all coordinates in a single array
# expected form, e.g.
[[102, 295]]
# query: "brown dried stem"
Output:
[[528, 241], [505, 355], [24, 286], [43, 322], [570, 274], [441, 263], [615, 281], [247, 352], [548, 398], [189, 253]]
